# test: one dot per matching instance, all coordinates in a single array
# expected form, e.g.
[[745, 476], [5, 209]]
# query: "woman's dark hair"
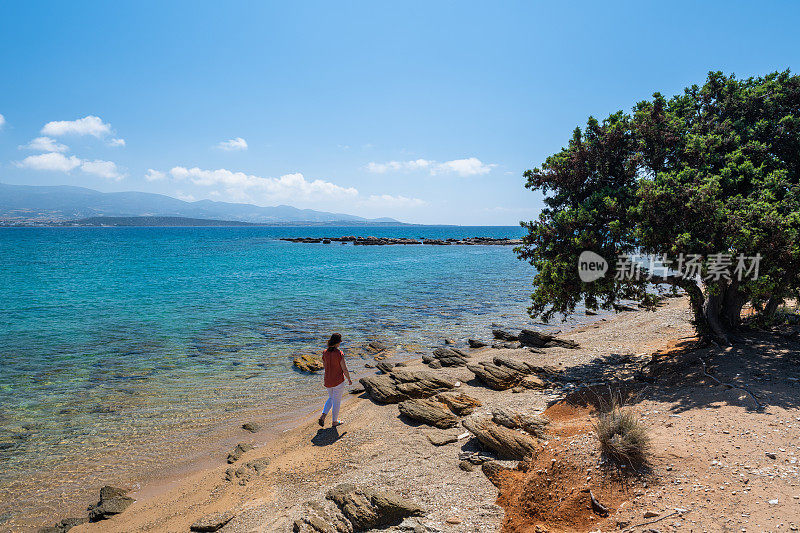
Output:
[[334, 340]]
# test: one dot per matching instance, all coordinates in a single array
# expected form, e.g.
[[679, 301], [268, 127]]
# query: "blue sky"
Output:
[[426, 112]]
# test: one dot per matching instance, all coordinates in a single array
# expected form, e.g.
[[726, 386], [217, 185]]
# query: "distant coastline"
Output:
[[176, 222]]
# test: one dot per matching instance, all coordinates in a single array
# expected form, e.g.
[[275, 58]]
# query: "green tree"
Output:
[[715, 170]]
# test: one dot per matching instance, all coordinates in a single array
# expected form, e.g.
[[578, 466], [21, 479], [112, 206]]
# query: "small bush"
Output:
[[623, 438]]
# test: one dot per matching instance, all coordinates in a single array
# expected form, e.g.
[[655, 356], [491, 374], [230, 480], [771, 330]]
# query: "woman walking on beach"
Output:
[[335, 372]]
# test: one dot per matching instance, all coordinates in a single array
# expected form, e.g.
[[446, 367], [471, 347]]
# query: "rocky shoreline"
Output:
[[479, 436], [386, 241]]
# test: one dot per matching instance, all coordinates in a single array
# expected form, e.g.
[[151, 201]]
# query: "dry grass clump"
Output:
[[623, 438]]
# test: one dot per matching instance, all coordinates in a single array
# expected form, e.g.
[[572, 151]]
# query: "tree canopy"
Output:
[[706, 179]]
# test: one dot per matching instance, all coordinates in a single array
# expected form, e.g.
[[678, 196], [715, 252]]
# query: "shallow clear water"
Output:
[[117, 343]]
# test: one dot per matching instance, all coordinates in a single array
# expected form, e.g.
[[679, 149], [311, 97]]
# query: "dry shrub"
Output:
[[623, 438]]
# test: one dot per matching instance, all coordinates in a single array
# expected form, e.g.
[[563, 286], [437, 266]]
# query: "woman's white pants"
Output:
[[334, 400]]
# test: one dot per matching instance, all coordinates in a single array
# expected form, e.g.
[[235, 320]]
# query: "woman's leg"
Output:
[[327, 407], [329, 402], [336, 397]]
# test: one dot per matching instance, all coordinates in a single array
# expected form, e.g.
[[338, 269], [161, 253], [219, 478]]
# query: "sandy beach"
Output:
[[718, 461]]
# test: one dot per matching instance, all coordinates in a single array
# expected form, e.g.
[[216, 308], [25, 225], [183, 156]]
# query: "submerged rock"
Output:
[[308, 363], [252, 427], [64, 525], [385, 367], [112, 501], [238, 451]]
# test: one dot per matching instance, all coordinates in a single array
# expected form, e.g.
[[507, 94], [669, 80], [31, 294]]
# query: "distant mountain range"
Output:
[[28, 203]]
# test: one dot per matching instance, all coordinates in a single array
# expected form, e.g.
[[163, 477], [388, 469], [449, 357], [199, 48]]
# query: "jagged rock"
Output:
[[252, 427], [322, 518], [367, 509], [112, 501], [476, 458], [212, 522], [64, 525], [357, 390], [508, 443], [375, 347], [429, 412], [526, 367], [458, 402], [450, 356], [403, 384], [475, 343], [382, 389], [507, 345], [449, 341], [536, 339], [420, 383], [384, 367], [505, 372], [533, 424], [533, 382], [493, 471], [501, 335], [247, 471], [440, 438], [494, 376], [466, 466], [308, 363], [237, 452]]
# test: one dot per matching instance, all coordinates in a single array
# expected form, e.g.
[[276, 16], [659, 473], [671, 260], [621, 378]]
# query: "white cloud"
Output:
[[59, 162], [2, 121], [387, 200], [417, 164], [463, 167], [46, 144], [471, 166], [154, 175], [290, 186], [116, 142], [104, 169], [50, 161], [89, 125], [233, 145]]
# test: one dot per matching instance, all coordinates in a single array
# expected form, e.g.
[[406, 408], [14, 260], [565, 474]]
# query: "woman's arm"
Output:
[[346, 372]]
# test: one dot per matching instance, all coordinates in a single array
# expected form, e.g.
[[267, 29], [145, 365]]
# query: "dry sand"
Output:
[[709, 447]]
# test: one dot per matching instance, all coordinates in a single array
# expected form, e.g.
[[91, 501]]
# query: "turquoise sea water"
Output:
[[119, 343]]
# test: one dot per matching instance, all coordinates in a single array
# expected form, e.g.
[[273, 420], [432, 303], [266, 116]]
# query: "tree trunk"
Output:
[[712, 309], [715, 315], [774, 301], [732, 302]]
